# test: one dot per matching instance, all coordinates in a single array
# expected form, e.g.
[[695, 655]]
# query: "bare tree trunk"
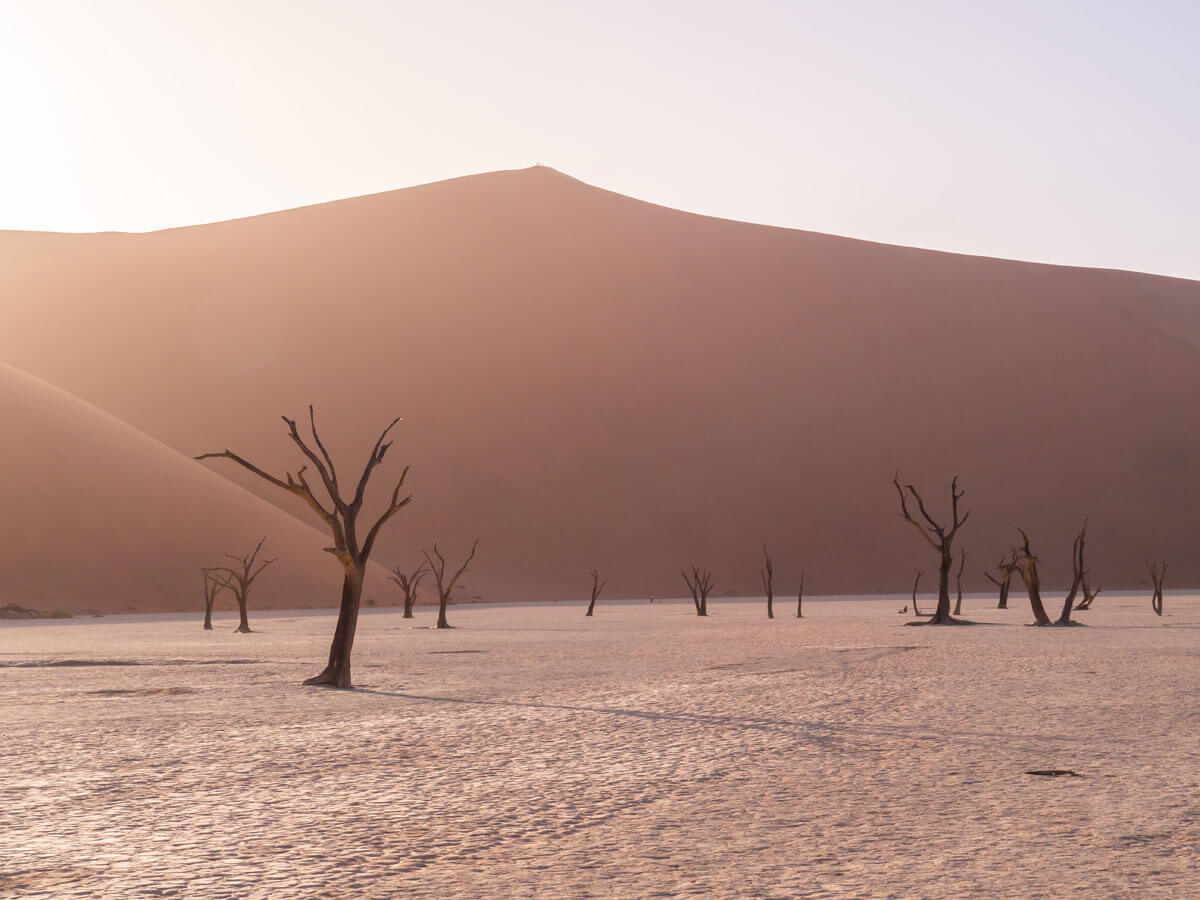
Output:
[[441, 620], [1003, 583], [800, 598], [768, 580], [1158, 572], [337, 672], [597, 587], [243, 619], [941, 615], [1027, 566], [958, 582], [408, 606], [209, 596], [916, 581], [1064, 617]]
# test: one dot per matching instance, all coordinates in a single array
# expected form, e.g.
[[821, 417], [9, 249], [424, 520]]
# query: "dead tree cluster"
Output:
[[1027, 566]]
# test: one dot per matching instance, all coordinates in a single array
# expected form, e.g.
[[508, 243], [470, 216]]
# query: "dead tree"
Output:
[[445, 587], [212, 586], [1027, 566], [597, 587], [1007, 567], [699, 583], [1158, 571], [958, 582], [1089, 596], [916, 581], [940, 538], [767, 573], [408, 582], [341, 518], [238, 580], [800, 598]]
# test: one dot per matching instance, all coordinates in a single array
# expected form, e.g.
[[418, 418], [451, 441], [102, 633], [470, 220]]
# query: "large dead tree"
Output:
[[939, 537], [238, 579], [597, 587], [1007, 567], [767, 573], [445, 586], [1158, 571], [341, 518], [409, 582], [800, 597], [212, 586], [699, 583], [1027, 565], [958, 582]]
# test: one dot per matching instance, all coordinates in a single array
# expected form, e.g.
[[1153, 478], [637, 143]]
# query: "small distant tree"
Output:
[[916, 581], [1027, 564], [342, 521], [767, 573], [445, 586], [597, 587], [700, 584], [212, 586], [958, 582], [800, 598], [239, 578], [1158, 571], [409, 582], [939, 537], [1089, 596], [1007, 567]]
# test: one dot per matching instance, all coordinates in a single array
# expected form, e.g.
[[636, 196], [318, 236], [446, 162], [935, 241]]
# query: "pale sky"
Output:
[[1053, 131]]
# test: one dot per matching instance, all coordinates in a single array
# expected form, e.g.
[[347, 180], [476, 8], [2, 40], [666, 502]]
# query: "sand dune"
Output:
[[589, 380], [97, 515]]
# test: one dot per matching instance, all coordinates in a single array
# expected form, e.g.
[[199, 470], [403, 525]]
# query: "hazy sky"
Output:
[[1055, 131]]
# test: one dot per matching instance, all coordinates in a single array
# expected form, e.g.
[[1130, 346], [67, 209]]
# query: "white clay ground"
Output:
[[532, 752]]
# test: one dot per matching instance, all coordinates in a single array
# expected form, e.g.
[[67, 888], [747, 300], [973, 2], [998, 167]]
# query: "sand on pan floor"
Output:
[[532, 752]]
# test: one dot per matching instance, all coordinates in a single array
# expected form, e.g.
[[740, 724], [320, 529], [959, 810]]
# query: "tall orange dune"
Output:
[[98, 516], [588, 380]]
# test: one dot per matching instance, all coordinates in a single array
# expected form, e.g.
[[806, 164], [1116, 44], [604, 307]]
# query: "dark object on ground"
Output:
[[1055, 773]]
